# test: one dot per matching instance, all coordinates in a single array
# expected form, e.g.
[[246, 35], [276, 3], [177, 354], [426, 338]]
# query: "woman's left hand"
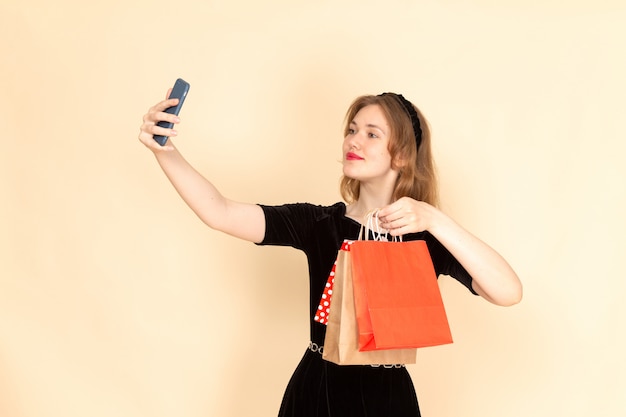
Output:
[[406, 215]]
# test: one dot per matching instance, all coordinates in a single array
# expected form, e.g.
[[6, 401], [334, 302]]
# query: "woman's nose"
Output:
[[353, 141]]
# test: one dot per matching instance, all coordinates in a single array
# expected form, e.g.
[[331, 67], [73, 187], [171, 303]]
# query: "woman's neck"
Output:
[[366, 203]]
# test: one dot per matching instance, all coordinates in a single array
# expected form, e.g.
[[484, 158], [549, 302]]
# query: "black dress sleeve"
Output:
[[446, 264], [290, 224]]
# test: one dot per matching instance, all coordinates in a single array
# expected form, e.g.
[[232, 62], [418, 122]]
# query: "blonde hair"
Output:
[[417, 176]]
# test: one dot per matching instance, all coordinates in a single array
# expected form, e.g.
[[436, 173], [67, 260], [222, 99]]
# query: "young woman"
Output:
[[387, 165]]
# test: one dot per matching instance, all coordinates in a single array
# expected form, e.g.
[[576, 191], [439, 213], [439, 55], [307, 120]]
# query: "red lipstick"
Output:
[[351, 156]]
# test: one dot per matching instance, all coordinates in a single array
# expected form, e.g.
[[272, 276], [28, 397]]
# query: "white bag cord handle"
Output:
[[373, 223]]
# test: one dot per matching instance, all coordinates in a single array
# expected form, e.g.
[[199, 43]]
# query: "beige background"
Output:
[[115, 300]]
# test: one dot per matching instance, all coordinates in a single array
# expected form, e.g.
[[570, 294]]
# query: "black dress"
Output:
[[319, 388]]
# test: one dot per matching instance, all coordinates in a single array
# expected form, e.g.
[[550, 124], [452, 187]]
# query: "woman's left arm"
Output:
[[493, 278]]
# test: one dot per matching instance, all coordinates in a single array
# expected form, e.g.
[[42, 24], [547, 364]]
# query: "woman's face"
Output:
[[366, 148]]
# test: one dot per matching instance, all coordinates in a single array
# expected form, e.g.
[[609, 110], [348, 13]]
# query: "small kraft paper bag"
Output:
[[341, 344], [397, 299]]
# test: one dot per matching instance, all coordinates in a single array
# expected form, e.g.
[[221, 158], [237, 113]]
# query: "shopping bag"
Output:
[[341, 343], [397, 299], [323, 309]]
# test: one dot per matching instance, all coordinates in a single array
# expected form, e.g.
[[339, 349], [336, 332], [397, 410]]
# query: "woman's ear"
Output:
[[399, 162]]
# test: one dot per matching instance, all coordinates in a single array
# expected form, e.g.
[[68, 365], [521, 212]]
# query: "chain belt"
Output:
[[315, 348]]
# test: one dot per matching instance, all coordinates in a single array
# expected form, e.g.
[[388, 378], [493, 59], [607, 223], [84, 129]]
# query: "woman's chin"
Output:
[[350, 173]]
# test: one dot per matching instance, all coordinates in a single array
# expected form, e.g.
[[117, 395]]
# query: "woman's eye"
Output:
[[372, 135], [350, 131]]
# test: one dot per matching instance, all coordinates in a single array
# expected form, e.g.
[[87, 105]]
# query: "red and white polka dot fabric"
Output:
[[323, 309]]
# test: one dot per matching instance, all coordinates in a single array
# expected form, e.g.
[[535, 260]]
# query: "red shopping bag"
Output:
[[397, 298]]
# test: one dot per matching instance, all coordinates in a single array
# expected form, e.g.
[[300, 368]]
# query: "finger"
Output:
[[393, 224], [161, 131], [147, 139], [166, 117], [160, 107], [399, 231], [165, 104], [150, 128], [392, 208], [169, 91], [154, 116], [390, 213]]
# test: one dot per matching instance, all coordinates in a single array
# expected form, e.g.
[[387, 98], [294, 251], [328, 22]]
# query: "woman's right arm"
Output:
[[242, 220]]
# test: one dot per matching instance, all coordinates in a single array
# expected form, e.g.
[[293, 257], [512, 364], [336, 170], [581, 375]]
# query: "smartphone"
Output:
[[180, 90]]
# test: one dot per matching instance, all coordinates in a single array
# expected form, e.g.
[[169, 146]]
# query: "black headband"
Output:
[[415, 120]]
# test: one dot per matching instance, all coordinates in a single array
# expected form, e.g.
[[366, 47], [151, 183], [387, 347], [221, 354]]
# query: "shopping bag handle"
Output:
[[372, 223]]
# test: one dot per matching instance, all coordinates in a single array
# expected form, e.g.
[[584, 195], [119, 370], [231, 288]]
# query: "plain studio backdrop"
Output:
[[116, 300]]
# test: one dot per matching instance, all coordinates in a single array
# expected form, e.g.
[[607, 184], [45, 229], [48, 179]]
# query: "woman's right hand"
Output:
[[149, 127]]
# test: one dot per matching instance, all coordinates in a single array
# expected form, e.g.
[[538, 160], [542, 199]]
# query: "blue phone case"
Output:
[[180, 90]]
